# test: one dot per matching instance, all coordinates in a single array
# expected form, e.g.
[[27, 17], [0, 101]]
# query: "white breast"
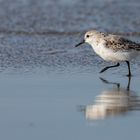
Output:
[[110, 55]]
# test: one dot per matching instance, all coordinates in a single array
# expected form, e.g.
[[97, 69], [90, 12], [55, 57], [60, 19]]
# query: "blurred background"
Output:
[[69, 16]]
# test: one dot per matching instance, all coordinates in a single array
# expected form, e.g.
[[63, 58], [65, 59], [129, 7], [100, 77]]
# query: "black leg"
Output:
[[118, 64], [129, 71], [129, 82]]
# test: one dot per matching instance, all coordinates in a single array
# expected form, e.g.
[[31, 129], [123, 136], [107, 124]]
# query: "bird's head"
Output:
[[91, 37]]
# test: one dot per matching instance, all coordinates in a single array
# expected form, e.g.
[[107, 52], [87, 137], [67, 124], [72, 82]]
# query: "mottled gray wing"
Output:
[[119, 43]]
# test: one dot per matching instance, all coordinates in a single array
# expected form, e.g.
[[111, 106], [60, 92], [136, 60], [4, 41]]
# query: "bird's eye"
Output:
[[87, 36]]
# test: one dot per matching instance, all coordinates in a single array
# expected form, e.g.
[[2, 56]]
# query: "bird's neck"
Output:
[[98, 45], [97, 42]]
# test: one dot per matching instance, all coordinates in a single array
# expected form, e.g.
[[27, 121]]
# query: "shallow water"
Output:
[[59, 107], [51, 90]]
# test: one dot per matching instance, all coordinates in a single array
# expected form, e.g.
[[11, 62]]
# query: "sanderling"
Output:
[[112, 48]]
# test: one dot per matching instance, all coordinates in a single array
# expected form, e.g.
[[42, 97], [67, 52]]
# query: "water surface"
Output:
[[56, 106]]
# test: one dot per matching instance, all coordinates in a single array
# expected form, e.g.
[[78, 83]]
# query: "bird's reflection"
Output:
[[113, 102]]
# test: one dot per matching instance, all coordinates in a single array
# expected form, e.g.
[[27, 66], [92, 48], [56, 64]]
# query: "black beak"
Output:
[[82, 42]]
